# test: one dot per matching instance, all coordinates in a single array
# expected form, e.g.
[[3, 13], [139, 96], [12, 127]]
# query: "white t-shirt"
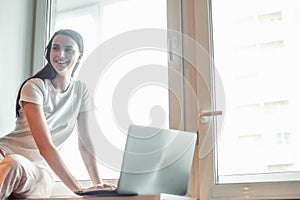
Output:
[[61, 112]]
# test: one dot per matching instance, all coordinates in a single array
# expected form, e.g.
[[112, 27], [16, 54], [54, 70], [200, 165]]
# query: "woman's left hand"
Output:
[[104, 185]]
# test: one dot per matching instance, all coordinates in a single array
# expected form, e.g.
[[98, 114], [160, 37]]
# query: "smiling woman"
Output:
[[49, 105]]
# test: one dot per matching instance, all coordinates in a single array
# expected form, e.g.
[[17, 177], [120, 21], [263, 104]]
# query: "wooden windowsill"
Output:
[[142, 197]]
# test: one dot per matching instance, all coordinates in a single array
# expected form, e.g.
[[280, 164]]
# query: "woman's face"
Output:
[[64, 55]]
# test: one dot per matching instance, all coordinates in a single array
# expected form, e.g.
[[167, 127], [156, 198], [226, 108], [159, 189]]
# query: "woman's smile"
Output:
[[62, 63]]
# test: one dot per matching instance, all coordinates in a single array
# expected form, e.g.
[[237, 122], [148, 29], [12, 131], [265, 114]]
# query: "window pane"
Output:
[[256, 47], [98, 21]]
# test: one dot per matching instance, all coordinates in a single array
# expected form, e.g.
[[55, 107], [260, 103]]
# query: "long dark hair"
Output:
[[48, 72]]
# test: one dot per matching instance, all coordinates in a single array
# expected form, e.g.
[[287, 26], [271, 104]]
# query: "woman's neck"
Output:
[[61, 84]]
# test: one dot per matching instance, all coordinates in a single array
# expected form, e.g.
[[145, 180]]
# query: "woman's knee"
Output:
[[10, 175], [30, 181]]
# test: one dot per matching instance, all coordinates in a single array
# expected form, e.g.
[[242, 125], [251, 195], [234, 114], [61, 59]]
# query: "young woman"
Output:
[[47, 107]]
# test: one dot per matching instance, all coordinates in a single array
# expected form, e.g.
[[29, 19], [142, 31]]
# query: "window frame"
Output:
[[43, 24], [208, 187]]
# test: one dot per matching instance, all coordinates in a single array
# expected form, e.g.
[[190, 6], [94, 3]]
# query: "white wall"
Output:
[[16, 25]]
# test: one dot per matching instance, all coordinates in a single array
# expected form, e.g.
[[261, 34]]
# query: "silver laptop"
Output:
[[155, 161]]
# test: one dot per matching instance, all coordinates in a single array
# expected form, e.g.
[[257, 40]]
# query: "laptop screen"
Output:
[[156, 161]]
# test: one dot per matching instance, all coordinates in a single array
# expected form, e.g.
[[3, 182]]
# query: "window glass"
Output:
[[99, 21], [256, 47]]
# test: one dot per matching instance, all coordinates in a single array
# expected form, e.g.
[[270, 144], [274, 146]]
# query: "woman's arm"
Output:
[[84, 140], [41, 134], [87, 150]]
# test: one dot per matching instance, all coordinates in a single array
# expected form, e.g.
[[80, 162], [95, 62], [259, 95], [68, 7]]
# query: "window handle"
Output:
[[204, 114], [210, 113]]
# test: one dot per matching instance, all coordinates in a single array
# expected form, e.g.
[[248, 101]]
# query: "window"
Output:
[[254, 58], [255, 47], [99, 21]]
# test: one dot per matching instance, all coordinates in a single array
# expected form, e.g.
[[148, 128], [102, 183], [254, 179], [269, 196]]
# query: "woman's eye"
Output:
[[55, 48], [69, 50]]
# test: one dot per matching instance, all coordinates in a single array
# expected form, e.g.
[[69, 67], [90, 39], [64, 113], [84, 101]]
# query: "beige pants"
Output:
[[20, 178]]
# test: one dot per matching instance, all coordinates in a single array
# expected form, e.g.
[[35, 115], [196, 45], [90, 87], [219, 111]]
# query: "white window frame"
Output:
[[208, 187], [41, 32]]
